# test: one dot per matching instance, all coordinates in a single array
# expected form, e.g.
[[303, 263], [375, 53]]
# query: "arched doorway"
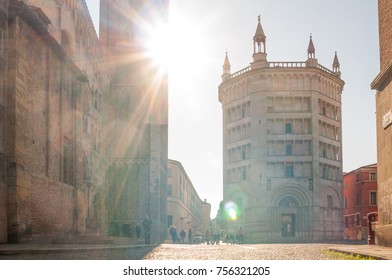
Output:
[[288, 225], [288, 211]]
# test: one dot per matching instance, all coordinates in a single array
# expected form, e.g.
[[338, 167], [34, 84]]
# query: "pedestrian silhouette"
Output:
[[147, 229]]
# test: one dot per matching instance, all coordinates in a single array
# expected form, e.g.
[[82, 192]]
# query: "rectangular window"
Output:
[[325, 172], [288, 128], [345, 203], [373, 176], [289, 170], [358, 220], [244, 175], [373, 198], [169, 172], [289, 149], [181, 194]]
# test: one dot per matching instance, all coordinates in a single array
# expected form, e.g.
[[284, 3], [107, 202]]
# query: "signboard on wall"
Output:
[[387, 120]]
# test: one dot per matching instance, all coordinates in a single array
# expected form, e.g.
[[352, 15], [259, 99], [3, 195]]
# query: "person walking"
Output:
[[182, 235], [190, 236], [147, 229], [138, 230], [240, 234], [173, 233]]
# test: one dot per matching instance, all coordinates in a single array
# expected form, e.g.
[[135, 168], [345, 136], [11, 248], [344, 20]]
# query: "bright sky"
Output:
[[202, 30]]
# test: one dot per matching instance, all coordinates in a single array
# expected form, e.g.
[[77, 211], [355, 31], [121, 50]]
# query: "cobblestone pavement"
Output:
[[316, 251], [242, 252]]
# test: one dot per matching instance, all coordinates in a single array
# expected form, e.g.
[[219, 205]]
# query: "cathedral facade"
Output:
[[282, 144], [83, 122]]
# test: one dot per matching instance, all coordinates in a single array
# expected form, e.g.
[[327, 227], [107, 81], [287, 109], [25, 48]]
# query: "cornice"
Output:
[[383, 79]]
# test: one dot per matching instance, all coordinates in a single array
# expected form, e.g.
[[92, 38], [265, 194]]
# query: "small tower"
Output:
[[311, 49], [259, 47], [312, 61], [226, 69], [336, 64]]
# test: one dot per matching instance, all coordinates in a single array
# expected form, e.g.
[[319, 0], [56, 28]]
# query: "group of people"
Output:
[[229, 238], [178, 238], [237, 238], [210, 237]]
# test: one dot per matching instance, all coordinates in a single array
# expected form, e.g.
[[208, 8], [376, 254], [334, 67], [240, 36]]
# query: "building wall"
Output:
[[385, 32], [383, 85], [282, 150], [67, 167], [185, 209], [136, 135], [53, 112], [3, 119], [358, 186]]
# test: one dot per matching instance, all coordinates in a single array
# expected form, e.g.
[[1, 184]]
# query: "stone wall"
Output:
[[3, 87], [54, 207], [384, 133], [53, 129], [384, 162], [65, 125], [385, 30]]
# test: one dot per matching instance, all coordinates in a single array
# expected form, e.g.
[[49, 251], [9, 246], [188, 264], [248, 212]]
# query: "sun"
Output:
[[175, 46], [159, 46]]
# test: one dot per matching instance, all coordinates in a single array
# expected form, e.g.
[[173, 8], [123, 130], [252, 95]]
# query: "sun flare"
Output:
[[175, 46], [158, 46]]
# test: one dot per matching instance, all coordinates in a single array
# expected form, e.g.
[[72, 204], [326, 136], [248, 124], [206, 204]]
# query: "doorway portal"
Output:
[[288, 225]]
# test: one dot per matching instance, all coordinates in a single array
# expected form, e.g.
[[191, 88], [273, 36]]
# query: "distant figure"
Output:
[[240, 234], [147, 229], [208, 237], [138, 230], [190, 236], [182, 235], [173, 234], [216, 238]]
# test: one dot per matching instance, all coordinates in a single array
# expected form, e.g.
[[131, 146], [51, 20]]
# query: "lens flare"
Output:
[[231, 210]]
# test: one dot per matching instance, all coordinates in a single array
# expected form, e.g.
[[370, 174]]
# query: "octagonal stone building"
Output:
[[282, 147]]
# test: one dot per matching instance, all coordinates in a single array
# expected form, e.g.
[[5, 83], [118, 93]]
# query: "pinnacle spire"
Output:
[[259, 38], [226, 65], [311, 49], [336, 64]]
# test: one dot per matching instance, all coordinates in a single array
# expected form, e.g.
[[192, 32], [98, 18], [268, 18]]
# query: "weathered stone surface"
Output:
[[64, 123]]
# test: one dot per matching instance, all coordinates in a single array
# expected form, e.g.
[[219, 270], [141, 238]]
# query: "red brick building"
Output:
[[360, 198]]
